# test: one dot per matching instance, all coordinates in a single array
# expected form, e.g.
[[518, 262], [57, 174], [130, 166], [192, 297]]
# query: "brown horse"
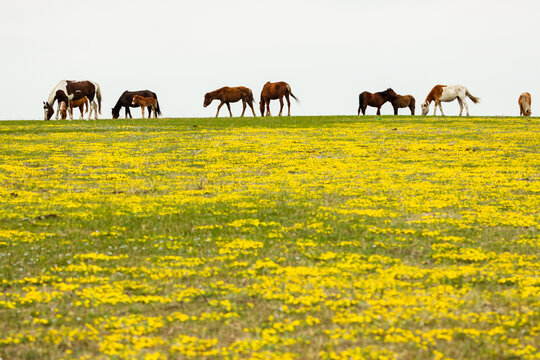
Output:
[[230, 95], [524, 102], [273, 91], [403, 101], [377, 100], [82, 104], [144, 102]]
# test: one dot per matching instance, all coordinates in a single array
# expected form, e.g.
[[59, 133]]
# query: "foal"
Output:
[[144, 102], [403, 101], [82, 104]]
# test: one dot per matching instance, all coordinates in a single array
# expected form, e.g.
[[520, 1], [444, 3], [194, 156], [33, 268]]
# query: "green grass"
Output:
[[301, 237]]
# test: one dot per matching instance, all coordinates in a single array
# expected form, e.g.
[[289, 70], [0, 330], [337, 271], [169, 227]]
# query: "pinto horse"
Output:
[[403, 101], [377, 100], [82, 104], [524, 102], [126, 101], [144, 102], [273, 91], [67, 90], [230, 95], [447, 93]]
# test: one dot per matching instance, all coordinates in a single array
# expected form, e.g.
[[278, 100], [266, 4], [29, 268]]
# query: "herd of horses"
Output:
[[86, 95]]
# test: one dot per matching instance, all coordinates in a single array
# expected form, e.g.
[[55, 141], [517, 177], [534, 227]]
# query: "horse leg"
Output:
[[243, 107], [90, 109], [142, 110], [411, 107], [229, 107], [440, 107], [280, 105], [466, 107], [128, 112], [379, 110], [288, 104], [252, 110], [460, 102], [81, 109], [219, 107], [395, 110], [268, 108]]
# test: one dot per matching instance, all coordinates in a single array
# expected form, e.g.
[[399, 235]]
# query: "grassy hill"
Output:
[[302, 237]]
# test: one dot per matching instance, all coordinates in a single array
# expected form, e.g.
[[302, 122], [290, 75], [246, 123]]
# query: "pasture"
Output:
[[270, 238]]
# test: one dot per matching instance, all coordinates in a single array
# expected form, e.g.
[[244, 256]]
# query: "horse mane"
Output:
[[60, 86]]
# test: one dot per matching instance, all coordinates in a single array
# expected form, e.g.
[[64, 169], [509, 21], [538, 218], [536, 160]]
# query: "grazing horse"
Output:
[[82, 104], [143, 102], [126, 101], [68, 91], [524, 104], [377, 100], [273, 91], [229, 95], [403, 101], [444, 93]]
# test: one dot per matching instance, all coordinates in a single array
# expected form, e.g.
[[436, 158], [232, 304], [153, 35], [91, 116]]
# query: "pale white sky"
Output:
[[328, 51]]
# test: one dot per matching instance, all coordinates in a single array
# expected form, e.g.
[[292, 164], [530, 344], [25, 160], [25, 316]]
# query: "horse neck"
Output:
[[430, 98], [216, 94], [60, 86]]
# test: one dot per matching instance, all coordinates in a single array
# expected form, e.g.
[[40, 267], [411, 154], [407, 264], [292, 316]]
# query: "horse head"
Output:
[[425, 108], [207, 100], [115, 113], [48, 111], [389, 93]]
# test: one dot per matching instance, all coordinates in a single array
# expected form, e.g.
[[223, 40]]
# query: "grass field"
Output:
[[281, 238]]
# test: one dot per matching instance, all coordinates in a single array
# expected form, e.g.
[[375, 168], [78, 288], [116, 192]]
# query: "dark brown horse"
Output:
[[403, 101], [126, 101], [230, 95], [273, 91], [377, 100]]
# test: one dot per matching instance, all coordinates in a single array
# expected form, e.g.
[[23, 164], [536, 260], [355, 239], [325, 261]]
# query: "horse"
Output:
[[230, 95], [447, 93], [144, 102], [126, 101], [273, 91], [524, 102], [377, 100], [67, 90], [403, 101], [82, 104]]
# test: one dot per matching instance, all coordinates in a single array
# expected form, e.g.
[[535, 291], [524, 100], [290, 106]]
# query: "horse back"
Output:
[[274, 90]]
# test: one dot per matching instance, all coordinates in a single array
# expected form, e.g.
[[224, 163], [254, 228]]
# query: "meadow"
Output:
[[277, 238]]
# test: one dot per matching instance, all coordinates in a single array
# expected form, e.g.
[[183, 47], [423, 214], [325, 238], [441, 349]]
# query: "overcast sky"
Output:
[[328, 51]]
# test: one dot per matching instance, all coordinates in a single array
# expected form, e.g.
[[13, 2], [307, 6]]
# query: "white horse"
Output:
[[67, 90], [447, 93]]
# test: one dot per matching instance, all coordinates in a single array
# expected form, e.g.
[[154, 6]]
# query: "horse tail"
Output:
[[474, 99], [290, 93], [360, 103], [98, 96], [250, 99], [158, 110]]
